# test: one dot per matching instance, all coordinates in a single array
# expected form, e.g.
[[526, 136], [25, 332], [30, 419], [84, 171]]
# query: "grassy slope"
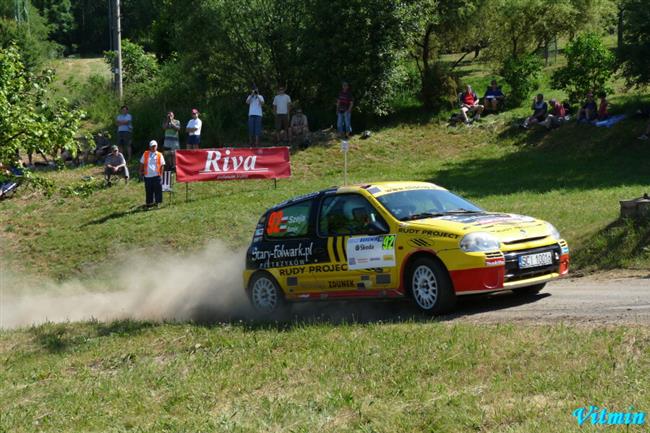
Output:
[[381, 377], [572, 177]]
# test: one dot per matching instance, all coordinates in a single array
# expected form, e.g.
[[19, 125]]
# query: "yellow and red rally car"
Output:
[[393, 240]]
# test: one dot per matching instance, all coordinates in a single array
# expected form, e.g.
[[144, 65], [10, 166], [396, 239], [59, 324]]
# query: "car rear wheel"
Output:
[[529, 290], [265, 294], [430, 287]]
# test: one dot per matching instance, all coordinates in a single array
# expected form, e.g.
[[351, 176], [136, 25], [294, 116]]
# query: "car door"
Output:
[[356, 235]]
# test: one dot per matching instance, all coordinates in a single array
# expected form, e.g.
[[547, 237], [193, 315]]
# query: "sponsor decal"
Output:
[[328, 268], [280, 223], [497, 261], [225, 164], [282, 255], [601, 416], [342, 284], [366, 252], [565, 250], [432, 233], [489, 219], [291, 271]]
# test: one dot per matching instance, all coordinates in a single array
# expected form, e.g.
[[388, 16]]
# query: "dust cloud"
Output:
[[204, 286]]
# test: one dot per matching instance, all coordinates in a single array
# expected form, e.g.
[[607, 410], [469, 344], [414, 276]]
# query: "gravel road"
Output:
[[609, 298], [617, 297]]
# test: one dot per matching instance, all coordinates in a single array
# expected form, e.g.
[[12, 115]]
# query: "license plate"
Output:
[[535, 260]]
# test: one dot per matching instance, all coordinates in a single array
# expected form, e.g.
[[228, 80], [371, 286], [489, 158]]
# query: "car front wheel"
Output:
[[265, 294], [430, 287]]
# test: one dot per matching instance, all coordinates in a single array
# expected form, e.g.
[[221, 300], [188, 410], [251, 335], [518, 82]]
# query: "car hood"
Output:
[[508, 228]]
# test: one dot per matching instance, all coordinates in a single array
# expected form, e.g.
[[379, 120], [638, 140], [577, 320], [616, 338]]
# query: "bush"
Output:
[[440, 88], [589, 66], [522, 74]]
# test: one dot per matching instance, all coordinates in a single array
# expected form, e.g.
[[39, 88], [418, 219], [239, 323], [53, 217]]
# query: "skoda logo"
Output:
[[523, 232]]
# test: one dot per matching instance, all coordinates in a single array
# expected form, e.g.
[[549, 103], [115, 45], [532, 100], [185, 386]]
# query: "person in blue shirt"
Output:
[[493, 97]]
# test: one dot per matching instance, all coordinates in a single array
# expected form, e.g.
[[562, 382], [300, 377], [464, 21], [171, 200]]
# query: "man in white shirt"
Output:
[[124, 123], [152, 165], [255, 102], [193, 129], [281, 108]]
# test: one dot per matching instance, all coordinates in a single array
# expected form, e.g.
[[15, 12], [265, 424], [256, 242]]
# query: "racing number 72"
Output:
[[389, 242]]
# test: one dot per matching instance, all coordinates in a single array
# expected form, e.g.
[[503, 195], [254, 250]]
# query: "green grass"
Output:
[[319, 377]]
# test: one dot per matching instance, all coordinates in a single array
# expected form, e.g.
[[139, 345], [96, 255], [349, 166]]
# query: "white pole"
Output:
[[118, 48], [345, 146]]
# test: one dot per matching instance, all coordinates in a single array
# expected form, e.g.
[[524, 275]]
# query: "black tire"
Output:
[[265, 294], [529, 290], [430, 287]]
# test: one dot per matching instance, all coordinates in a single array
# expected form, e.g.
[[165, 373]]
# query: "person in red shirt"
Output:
[[344, 104], [469, 103], [556, 116]]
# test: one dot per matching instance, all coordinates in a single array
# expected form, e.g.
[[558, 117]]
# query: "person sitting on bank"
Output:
[[469, 103], [493, 97], [540, 108], [603, 107], [589, 111], [115, 165], [557, 115], [299, 126], [152, 165]]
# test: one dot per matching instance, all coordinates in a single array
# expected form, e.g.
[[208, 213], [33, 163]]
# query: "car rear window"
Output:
[[290, 221]]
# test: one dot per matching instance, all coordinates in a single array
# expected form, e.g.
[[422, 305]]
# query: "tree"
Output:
[[137, 66], [589, 66], [30, 120], [634, 54]]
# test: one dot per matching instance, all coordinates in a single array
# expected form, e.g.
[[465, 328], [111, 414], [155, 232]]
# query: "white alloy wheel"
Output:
[[424, 287], [264, 294]]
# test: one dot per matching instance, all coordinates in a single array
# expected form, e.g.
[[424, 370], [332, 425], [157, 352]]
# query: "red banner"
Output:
[[232, 163]]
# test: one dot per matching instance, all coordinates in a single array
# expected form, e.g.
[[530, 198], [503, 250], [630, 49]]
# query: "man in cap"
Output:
[[193, 129], [152, 164], [115, 165]]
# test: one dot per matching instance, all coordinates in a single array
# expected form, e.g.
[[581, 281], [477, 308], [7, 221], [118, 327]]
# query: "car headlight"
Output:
[[479, 241], [553, 232]]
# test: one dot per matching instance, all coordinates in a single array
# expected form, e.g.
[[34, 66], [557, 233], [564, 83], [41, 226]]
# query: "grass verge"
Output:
[[377, 377]]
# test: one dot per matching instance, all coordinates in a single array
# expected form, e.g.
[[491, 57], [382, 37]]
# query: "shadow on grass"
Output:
[[619, 245], [367, 312], [117, 215], [577, 157]]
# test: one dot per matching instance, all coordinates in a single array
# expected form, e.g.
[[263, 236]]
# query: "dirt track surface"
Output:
[[621, 297], [609, 298]]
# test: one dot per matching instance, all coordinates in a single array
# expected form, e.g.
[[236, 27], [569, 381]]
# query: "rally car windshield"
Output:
[[425, 203]]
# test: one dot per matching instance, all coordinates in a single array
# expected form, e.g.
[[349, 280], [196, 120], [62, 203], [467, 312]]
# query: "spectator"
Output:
[[125, 131], [469, 103], [493, 97], [603, 106], [300, 125], [193, 130], [589, 111], [171, 127], [645, 135], [540, 108], [255, 102], [556, 117], [152, 164], [115, 165], [344, 104], [281, 108]]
